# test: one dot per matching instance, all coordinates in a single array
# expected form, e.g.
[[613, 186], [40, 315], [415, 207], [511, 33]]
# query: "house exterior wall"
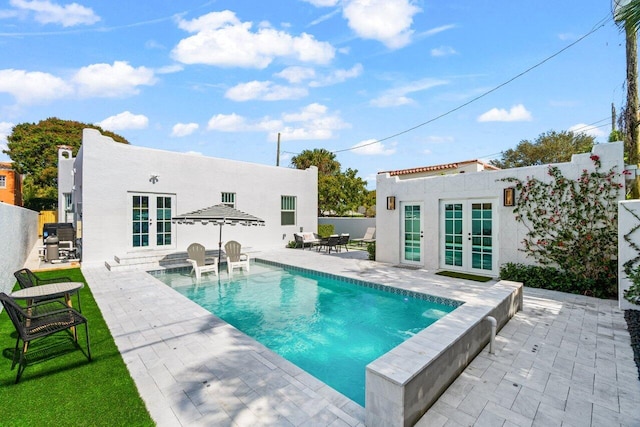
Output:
[[19, 231], [11, 191], [508, 234], [108, 173]]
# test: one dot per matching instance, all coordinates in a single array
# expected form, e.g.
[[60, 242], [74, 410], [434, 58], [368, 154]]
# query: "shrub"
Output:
[[371, 248], [291, 244], [325, 230], [545, 277]]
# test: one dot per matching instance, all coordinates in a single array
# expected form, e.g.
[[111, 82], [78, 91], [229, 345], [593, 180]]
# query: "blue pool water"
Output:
[[329, 327]]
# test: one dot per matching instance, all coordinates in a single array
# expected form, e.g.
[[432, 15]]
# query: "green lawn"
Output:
[[68, 389]]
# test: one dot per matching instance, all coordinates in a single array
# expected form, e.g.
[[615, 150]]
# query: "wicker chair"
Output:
[[344, 241], [332, 242], [27, 278], [41, 320]]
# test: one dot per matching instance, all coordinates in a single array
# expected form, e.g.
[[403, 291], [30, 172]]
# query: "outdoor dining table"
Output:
[[51, 290]]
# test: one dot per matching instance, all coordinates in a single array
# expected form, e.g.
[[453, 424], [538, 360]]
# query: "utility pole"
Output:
[[278, 153]]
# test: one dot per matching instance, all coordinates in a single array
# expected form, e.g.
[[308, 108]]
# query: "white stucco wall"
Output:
[[479, 185], [19, 232], [65, 182], [628, 214], [108, 172]]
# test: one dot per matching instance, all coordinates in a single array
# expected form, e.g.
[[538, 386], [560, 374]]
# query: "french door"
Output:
[[150, 220], [468, 236], [412, 231]]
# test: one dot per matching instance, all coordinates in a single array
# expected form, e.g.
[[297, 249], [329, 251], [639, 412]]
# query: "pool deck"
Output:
[[565, 360]]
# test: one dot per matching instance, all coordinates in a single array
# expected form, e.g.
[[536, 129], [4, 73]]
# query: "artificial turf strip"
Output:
[[465, 276], [68, 389]]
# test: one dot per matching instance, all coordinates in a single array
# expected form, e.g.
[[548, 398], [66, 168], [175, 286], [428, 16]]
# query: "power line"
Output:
[[596, 27]]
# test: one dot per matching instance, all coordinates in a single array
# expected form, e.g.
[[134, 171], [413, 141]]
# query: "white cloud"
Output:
[[398, 96], [221, 39], [46, 12], [388, 21], [323, 3], [5, 130], [183, 129], [517, 113], [169, 69], [111, 81], [311, 122], [33, 87], [439, 29], [296, 74], [123, 121], [264, 91], [587, 129], [443, 51], [370, 147], [338, 76], [227, 123]]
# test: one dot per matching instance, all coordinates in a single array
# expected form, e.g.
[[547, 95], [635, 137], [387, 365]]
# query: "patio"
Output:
[[564, 360]]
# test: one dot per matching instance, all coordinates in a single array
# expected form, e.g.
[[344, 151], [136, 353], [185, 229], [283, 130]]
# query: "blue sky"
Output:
[[223, 78]]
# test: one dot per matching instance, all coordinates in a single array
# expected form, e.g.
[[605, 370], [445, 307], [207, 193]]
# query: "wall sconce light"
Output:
[[301, 229], [509, 196], [153, 178], [391, 203]]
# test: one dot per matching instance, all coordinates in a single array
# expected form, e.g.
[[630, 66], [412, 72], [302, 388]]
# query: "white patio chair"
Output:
[[199, 262], [368, 236], [235, 258]]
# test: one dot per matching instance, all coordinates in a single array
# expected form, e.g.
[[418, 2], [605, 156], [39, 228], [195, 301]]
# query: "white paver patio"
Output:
[[564, 360]]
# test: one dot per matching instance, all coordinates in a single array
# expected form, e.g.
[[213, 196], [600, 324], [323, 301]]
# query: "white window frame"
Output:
[[3, 181], [68, 202], [287, 205], [228, 199]]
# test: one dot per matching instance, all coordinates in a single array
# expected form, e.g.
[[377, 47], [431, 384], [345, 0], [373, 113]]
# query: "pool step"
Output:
[[150, 260]]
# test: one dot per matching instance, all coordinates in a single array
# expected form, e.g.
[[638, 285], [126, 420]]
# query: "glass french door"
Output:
[[412, 233], [151, 220], [468, 236]]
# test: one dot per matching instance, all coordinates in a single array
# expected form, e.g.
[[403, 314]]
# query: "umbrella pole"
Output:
[[219, 249]]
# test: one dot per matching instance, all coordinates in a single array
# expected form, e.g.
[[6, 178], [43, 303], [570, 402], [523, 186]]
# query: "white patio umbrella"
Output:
[[220, 215]]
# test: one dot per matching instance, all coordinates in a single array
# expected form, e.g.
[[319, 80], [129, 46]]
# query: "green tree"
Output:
[[549, 147], [33, 148], [338, 192]]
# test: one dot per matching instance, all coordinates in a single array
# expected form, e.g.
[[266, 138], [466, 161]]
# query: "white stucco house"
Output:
[[459, 221], [123, 198]]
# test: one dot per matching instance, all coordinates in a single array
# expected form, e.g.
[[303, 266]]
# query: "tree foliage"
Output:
[[33, 148], [549, 147], [338, 192]]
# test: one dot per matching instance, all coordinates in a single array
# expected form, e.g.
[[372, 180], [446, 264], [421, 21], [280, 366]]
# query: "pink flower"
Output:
[[595, 158]]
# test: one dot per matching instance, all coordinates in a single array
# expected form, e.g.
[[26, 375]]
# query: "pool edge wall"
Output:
[[402, 384]]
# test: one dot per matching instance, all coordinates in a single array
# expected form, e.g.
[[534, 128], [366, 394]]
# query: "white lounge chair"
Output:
[[199, 262], [368, 236], [235, 258]]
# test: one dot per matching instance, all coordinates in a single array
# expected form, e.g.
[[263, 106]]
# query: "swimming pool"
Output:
[[331, 327]]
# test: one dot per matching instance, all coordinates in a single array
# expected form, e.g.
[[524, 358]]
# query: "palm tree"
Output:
[[627, 14]]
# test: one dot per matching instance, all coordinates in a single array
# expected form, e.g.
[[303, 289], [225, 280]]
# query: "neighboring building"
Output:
[[460, 221], [446, 169], [124, 197], [10, 185]]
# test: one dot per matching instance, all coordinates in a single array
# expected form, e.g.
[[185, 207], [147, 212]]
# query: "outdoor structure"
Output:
[[10, 185], [65, 183], [445, 169], [125, 196], [463, 222]]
